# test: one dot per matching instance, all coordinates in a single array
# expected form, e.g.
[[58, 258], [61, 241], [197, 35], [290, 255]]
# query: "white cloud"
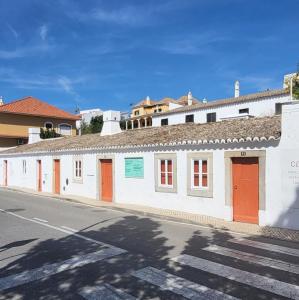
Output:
[[192, 44], [25, 51], [67, 85], [43, 32], [137, 15], [12, 30]]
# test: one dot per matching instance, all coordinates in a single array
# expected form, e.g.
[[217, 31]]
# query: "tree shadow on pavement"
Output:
[[142, 239]]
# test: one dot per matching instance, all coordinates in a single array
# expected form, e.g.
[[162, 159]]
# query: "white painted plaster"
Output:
[[258, 108]]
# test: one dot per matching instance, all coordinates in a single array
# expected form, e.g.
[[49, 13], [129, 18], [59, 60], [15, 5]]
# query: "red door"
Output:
[[5, 172], [106, 180], [56, 176], [39, 175], [246, 189]]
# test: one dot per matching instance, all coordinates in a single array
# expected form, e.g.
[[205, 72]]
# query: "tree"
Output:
[[85, 129], [48, 133], [122, 124], [296, 86], [95, 126]]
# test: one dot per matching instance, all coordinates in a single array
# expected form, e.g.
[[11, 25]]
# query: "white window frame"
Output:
[[166, 173], [24, 166], [49, 122], [71, 128], [158, 157], [76, 169], [205, 192], [200, 174]]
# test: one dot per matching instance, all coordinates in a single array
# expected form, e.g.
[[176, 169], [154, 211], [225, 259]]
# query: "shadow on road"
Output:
[[146, 244]]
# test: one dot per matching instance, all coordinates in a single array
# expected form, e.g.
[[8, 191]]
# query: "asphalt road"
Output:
[[55, 249]]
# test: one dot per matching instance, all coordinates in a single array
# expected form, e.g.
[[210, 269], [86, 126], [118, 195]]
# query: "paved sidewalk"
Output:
[[178, 216]]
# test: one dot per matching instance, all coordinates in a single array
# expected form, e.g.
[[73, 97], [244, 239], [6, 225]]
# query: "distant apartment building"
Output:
[[18, 116]]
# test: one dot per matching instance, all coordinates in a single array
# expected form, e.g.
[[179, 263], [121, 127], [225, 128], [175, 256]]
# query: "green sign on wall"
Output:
[[134, 167]]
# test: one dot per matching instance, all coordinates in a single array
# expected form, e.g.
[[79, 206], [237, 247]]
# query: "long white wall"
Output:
[[258, 108], [142, 191]]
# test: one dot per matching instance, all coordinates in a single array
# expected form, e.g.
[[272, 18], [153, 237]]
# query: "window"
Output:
[[65, 129], [278, 108], [211, 117], [77, 169], [160, 109], [164, 122], [48, 125], [136, 113], [244, 111], [21, 141], [24, 164], [200, 174], [165, 173], [189, 119]]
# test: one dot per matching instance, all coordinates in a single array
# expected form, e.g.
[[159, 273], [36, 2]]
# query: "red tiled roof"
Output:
[[35, 107]]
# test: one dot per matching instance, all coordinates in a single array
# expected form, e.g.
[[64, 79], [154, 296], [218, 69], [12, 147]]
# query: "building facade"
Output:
[[142, 113], [243, 170], [18, 116], [266, 103]]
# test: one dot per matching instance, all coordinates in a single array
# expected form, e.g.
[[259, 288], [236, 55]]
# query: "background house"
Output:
[[142, 112], [18, 116]]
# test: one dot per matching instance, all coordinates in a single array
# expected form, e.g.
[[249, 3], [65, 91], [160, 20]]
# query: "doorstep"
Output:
[[177, 216]]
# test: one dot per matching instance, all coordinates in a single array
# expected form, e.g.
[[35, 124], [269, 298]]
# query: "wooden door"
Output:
[[56, 176], [5, 172], [106, 180], [39, 175], [245, 189]]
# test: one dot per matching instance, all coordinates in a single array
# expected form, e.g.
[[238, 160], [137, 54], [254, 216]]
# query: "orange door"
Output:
[[39, 175], [5, 173], [56, 176], [246, 189], [106, 180]]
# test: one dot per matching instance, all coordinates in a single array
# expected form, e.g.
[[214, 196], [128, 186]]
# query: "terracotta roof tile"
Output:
[[35, 107], [220, 132]]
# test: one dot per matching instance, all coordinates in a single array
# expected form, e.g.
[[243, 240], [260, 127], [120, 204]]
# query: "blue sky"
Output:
[[110, 54]]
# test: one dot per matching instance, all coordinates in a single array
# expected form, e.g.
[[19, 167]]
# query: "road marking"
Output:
[[265, 246], [115, 210], [179, 285], [104, 292], [62, 230], [268, 284], [49, 270], [40, 220], [70, 229], [252, 258]]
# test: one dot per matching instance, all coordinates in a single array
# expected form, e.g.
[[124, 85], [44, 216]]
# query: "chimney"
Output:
[[1, 100], [34, 135], [148, 100], [190, 97], [111, 124], [237, 89]]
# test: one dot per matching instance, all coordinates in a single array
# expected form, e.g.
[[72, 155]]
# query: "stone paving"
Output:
[[179, 216]]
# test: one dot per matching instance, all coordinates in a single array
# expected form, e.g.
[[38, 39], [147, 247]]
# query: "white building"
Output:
[[243, 170], [87, 115], [253, 105]]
